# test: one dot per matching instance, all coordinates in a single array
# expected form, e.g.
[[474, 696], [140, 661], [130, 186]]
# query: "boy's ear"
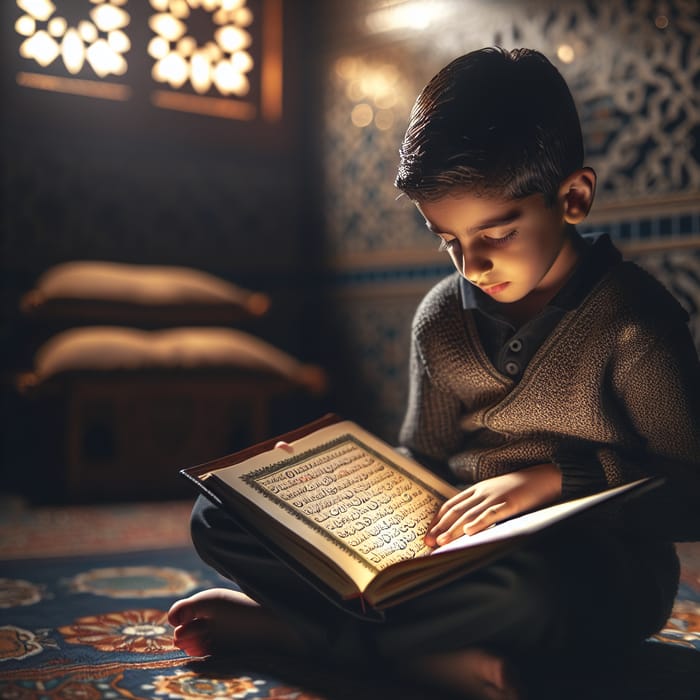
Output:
[[576, 193]]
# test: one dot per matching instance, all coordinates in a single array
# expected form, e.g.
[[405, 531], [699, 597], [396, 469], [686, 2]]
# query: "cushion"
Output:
[[113, 292], [114, 348]]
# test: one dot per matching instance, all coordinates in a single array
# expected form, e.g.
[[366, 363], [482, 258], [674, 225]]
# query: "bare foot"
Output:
[[220, 621], [476, 672]]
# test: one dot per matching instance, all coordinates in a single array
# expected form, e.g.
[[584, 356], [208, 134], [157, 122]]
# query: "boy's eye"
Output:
[[501, 240], [449, 246]]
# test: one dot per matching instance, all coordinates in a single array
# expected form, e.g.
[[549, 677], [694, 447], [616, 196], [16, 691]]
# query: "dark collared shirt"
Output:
[[509, 348]]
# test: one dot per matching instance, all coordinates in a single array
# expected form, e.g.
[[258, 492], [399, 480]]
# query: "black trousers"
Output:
[[585, 587]]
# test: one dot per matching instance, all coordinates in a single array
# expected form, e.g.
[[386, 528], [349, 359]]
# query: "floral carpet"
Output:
[[83, 617]]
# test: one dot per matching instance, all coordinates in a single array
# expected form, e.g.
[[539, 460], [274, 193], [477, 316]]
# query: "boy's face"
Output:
[[508, 248]]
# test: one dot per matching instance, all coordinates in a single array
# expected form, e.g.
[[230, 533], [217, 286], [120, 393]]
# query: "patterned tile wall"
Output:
[[634, 69]]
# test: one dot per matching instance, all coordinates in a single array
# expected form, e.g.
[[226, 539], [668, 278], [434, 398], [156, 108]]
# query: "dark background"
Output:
[[304, 209]]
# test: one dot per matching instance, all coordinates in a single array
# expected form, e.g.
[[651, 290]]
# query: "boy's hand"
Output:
[[489, 501]]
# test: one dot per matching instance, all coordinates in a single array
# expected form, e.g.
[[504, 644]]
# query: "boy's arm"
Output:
[[430, 429], [662, 399]]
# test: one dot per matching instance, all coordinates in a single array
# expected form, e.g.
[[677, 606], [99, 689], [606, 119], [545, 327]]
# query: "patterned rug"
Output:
[[83, 601]]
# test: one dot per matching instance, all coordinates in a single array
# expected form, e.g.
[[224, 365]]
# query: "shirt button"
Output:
[[512, 368], [516, 345]]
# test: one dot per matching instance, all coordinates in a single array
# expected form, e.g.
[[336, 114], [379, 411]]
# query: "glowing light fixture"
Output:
[[167, 26], [218, 71], [26, 26], [221, 64], [40, 46], [417, 15], [73, 51], [57, 26], [108, 17], [88, 31], [374, 89], [97, 41], [119, 42], [566, 53], [39, 9]]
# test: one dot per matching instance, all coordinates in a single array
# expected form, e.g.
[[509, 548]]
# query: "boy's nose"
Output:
[[474, 266]]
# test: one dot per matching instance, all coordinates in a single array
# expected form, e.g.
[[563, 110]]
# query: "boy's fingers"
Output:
[[455, 500], [469, 508], [490, 516], [472, 522]]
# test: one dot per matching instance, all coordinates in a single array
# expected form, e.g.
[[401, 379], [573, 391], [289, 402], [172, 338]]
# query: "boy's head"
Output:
[[494, 122]]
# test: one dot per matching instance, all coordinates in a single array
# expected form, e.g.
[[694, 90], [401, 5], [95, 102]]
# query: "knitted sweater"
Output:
[[616, 384]]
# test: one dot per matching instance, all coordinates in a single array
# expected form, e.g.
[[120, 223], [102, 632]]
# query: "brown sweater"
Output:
[[616, 384]]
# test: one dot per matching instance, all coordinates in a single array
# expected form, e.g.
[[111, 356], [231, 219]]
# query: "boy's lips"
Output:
[[495, 288]]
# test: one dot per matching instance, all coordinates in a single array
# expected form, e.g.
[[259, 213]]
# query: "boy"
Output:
[[544, 368]]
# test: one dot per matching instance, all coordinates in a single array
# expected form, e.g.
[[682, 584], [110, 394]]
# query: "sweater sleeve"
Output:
[[662, 398], [580, 477], [430, 427]]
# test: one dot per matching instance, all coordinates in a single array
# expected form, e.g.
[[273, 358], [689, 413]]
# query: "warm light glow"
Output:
[[212, 52], [384, 119], [354, 91], [220, 17], [40, 47], [158, 47], [243, 17], [385, 100], [185, 47], [39, 9], [57, 26], [26, 26], [200, 72], [173, 69], [362, 115], [88, 32], [118, 41], [241, 62], [232, 39], [374, 89], [74, 86], [104, 60], [109, 17], [167, 26], [179, 8], [76, 44], [221, 63], [346, 67], [229, 80], [73, 51], [406, 15], [272, 69], [565, 53]]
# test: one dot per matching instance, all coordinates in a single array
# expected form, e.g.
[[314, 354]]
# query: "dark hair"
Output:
[[492, 121]]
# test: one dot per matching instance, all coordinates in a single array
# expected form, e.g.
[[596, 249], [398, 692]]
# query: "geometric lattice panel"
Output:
[[633, 67]]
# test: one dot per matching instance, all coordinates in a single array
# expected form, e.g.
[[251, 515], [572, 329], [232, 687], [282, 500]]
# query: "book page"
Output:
[[344, 490], [535, 521]]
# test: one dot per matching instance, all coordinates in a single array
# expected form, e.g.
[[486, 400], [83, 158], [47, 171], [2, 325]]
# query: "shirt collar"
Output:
[[596, 260]]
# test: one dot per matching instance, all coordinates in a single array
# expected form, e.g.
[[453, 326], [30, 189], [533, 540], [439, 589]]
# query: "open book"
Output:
[[348, 513]]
